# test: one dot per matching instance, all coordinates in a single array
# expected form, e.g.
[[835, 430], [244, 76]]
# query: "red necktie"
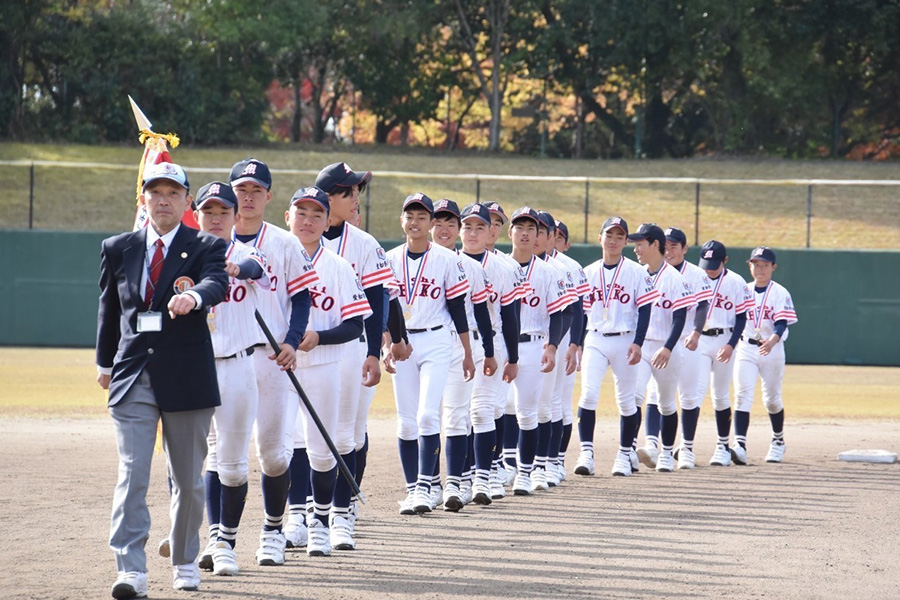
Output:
[[155, 269]]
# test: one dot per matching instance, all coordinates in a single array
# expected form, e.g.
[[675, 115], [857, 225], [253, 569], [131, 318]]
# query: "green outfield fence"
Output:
[[848, 302], [789, 213]]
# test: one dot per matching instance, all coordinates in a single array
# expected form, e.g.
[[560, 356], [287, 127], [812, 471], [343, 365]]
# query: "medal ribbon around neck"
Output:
[[412, 285], [658, 273], [712, 303], [342, 241], [256, 240], [758, 311], [607, 296]]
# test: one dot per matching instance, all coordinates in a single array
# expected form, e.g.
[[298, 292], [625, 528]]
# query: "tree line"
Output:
[[580, 78]]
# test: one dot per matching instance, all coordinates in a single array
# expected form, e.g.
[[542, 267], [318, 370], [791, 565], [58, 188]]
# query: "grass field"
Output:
[[49, 383], [739, 215]]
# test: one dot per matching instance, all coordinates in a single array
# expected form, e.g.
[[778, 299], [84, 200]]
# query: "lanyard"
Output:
[[342, 240], [758, 312], [607, 296], [712, 303], [658, 273], [256, 240], [413, 284]]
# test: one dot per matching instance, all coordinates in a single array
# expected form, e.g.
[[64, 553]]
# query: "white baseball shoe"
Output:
[[295, 534], [186, 577], [686, 459], [776, 452], [423, 502], [522, 485], [164, 549], [551, 473], [511, 473], [225, 560], [436, 495], [353, 514], [131, 584], [560, 471], [342, 533], [496, 485], [499, 472], [585, 463], [648, 455], [481, 493], [406, 505], [739, 455], [721, 457], [271, 549], [622, 464], [635, 463], [206, 557], [539, 480], [465, 491], [453, 498], [665, 462], [319, 541]]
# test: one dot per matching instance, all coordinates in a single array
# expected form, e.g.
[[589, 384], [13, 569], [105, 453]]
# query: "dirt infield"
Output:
[[812, 527]]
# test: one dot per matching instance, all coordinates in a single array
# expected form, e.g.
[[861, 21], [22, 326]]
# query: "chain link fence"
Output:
[[785, 213]]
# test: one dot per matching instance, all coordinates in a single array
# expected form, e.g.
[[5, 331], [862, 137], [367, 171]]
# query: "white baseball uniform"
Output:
[[692, 363], [426, 283], [674, 294], [730, 297], [234, 331], [289, 273], [773, 304], [335, 297], [369, 261], [550, 403], [612, 314]]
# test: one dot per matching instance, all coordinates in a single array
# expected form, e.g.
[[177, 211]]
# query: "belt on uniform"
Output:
[[616, 334], [714, 332], [242, 353], [477, 335], [424, 330], [752, 341], [525, 338]]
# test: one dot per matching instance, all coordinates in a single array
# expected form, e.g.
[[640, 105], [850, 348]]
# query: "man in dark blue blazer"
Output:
[[155, 357]]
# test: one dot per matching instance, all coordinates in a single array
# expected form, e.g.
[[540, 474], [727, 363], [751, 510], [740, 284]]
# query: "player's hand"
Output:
[[468, 366], [571, 359], [661, 358], [388, 363], [510, 372], [371, 371], [400, 351], [181, 304], [767, 345], [490, 366], [103, 379], [286, 358], [232, 269], [690, 342], [548, 358], [724, 353], [580, 355], [310, 340], [634, 354]]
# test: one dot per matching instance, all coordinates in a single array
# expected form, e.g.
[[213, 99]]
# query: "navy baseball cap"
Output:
[[547, 220], [560, 226], [253, 171], [311, 194], [418, 201], [446, 205], [495, 209], [526, 212], [166, 170], [216, 191], [476, 211], [649, 232], [673, 234], [614, 222], [762, 253], [340, 175], [712, 254]]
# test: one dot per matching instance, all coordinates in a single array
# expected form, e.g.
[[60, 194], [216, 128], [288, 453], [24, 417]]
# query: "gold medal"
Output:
[[407, 315], [211, 321], [605, 314]]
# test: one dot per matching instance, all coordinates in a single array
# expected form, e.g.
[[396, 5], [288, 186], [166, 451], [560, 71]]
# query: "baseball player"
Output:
[[566, 380], [541, 330], [544, 474], [504, 469], [458, 389], [618, 315], [661, 354], [234, 333], [760, 353], [488, 397], [339, 306], [726, 315], [433, 288], [286, 312], [691, 361]]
